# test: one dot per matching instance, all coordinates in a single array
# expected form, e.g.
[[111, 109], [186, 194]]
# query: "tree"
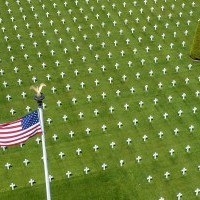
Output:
[[195, 51]]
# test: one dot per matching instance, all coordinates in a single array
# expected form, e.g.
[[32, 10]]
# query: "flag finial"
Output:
[[38, 89], [38, 96]]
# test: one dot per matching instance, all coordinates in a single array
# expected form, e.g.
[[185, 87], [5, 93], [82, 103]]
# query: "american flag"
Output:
[[20, 130]]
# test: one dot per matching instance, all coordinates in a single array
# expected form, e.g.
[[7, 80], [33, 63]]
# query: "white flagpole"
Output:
[[39, 101]]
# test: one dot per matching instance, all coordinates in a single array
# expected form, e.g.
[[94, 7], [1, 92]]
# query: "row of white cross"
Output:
[[97, 56], [113, 144]]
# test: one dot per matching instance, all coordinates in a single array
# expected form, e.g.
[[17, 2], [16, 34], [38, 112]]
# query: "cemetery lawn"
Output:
[[121, 87]]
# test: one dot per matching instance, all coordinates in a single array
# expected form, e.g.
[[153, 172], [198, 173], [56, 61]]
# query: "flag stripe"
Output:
[[20, 130]]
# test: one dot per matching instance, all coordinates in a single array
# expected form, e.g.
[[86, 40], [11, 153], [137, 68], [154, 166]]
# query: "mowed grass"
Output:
[[142, 33]]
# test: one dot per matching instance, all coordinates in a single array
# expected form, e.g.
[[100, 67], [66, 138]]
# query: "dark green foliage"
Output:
[[195, 51]]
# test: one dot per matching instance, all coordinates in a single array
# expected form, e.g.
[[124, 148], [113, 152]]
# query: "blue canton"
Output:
[[30, 120]]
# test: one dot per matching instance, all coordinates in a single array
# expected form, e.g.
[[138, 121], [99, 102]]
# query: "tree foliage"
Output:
[[195, 51]]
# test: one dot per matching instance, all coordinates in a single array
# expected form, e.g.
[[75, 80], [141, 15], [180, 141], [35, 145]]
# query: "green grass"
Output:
[[195, 51], [130, 180]]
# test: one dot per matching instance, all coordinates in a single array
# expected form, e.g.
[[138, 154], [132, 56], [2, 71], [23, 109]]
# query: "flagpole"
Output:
[[39, 100]]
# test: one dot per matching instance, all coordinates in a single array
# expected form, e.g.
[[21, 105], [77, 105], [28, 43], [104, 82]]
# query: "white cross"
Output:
[[187, 148], [150, 118], [155, 155], [71, 133], [55, 137], [166, 174], [104, 127], [149, 179], [111, 109], [132, 90], [184, 170], [26, 162], [194, 109], [78, 151], [145, 137], [138, 158], [129, 63], [85, 37], [53, 89], [121, 162], [80, 115], [82, 84], [183, 96], [124, 77], [5, 84], [96, 112], [128, 141], [1, 71], [96, 82], [12, 185], [4, 148], [50, 177], [31, 181], [191, 128], [6, 37], [86, 170], [116, 65], [103, 95], [112, 144], [95, 147], [159, 47], [44, 65], [87, 131], [38, 140], [171, 151], [26, 56], [48, 77], [104, 166], [48, 42], [89, 98], [89, 70], [65, 118], [49, 120], [57, 63], [160, 134], [118, 92], [160, 85], [139, 39], [155, 59], [68, 174], [28, 108], [165, 115], [183, 43], [146, 88], [197, 191], [109, 55], [34, 79], [119, 124], [173, 83], [61, 154], [197, 93], [126, 106], [170, 98], [135, 121], [186, 32], [110, 80], [180, 112], [68, 87], [8, 97], [59, 103], [8, 165], [12, 111], [176, 131]]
